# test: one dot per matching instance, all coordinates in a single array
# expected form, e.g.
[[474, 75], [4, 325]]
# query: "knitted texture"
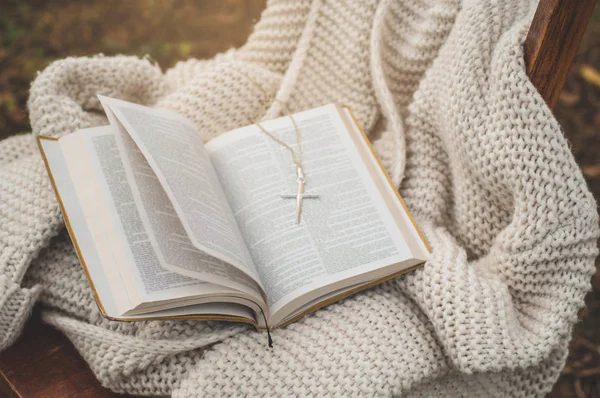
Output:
[[441, 89]]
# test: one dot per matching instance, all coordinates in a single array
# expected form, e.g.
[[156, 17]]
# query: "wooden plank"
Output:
[[44, 363], [552, 42], [6, 387]]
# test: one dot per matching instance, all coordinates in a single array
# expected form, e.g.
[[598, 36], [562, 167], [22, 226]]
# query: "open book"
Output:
[[167, 226]]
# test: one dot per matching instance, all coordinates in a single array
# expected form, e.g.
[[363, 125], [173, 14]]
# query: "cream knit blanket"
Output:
[[441, 88]]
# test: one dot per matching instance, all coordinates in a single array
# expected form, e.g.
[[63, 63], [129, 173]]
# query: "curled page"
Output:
[[175, 152]]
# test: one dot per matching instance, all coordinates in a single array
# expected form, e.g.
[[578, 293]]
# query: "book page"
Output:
[[175, 152], [106, 284], [172, 244], [105, 280], [346, 232], [115, 224]]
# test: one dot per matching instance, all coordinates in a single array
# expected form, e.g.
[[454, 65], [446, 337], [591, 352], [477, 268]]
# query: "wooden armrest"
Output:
[[552, 42]]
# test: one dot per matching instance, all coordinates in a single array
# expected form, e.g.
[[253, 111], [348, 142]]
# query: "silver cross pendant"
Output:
[[300, 195]]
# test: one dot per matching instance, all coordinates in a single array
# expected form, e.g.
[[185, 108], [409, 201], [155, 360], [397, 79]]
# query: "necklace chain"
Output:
[[297, 160]]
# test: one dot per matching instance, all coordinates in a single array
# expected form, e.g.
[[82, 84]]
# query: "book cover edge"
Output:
[[387, 176]]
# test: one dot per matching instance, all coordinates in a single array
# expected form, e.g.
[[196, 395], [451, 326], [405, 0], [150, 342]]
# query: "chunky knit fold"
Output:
[[29, 217], [441, 89], [16, 304]]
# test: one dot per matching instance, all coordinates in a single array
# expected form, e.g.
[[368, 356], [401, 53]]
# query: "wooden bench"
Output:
[[43, 363]]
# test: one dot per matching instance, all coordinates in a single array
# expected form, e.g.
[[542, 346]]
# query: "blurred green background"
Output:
[[34, 33]]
